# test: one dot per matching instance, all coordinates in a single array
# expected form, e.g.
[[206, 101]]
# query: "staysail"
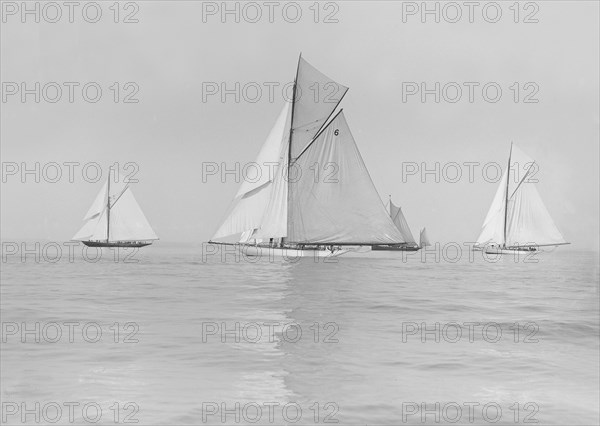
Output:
[[127, 222], [264, 200], [401, 223], [518, 216]]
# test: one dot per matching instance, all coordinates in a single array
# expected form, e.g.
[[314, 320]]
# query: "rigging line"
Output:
[[332, 111], [119, 197], [318, 134], [522, 180]]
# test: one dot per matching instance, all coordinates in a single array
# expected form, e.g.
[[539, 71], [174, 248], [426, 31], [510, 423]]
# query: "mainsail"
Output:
[[298, 203], [518, 216], [115, 216], [401, 223]]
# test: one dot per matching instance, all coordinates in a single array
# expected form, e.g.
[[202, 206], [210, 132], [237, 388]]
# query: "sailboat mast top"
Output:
[[506, 196]]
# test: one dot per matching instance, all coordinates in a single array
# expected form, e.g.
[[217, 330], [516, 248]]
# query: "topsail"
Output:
[[316, 98]]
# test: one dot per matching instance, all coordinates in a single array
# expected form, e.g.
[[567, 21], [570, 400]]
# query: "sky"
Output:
[[177, 50]]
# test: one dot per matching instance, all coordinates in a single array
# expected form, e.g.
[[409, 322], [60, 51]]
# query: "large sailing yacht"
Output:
[[294, 212]]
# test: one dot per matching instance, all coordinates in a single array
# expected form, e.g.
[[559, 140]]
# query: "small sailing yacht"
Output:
[[290, 210], [402, 225], [115, 219], [518, 219], [423, 239]]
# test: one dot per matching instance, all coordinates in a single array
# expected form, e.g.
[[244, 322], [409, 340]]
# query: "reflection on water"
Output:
[[354, 351]]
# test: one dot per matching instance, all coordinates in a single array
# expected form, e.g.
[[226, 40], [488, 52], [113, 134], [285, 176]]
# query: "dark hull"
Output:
[[395, 248], [117, 243]]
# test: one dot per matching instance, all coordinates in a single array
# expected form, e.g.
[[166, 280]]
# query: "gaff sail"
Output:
[[123, 221], [316, 97], [291, 203], [518, 216]]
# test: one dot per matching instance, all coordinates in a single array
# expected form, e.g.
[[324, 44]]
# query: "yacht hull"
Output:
[[395, 248], [511, 251], [289, 252], [117, 243]]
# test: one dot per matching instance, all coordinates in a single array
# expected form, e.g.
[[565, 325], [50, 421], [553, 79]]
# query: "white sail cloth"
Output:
[[263, 202], [424, 239], [340, 208], [401, 223], [317, 96], [527, 219], [127, 221], [311, 210]]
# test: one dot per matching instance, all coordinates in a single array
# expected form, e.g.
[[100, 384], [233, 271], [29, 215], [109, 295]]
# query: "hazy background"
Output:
[[171, 131]]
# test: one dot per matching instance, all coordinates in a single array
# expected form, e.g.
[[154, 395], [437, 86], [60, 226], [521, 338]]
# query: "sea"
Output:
[[181, 335]]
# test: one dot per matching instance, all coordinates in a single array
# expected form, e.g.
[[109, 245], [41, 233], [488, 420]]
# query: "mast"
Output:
[[290, 147], [108, 207], [506, 196]]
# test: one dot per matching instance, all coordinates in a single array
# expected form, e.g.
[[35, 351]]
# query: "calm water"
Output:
[[368, 366]]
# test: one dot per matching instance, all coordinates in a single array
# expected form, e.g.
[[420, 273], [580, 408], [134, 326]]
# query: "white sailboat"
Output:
[[423, 239], [400, 221], [115, 219], [518, 219], [292, 211]]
